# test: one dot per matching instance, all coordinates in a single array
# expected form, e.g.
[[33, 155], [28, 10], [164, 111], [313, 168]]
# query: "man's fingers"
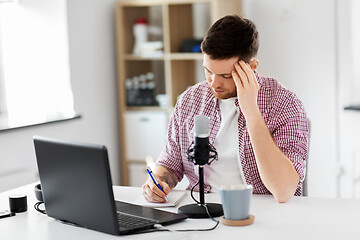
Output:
[[241, 71], [166, 189], [153, 197], [154, 189], [238, 82], [152, 193], [248, 72]]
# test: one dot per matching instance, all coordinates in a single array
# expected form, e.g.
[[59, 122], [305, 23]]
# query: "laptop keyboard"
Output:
[[127, 221]]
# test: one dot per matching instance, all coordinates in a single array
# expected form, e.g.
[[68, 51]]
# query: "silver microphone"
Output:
[[201, 126]]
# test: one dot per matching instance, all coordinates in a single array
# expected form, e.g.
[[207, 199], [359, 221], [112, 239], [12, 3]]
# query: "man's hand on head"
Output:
[[247, 88]]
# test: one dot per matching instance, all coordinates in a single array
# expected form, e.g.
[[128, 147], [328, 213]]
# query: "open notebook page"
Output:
[[174, 198]]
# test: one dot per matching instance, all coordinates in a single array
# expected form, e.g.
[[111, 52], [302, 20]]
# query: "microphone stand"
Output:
[[201, 209], [201, 182]]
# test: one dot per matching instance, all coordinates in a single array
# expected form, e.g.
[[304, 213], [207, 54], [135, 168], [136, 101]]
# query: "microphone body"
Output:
[[201, 150]]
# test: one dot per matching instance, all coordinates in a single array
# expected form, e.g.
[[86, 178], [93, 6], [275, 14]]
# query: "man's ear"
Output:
[[254, 63]]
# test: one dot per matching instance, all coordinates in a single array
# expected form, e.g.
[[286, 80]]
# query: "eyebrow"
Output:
[[221, 74]]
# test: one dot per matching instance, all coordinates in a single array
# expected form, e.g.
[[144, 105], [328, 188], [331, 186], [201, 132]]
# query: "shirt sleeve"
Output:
[[170, 156], [291, 133]]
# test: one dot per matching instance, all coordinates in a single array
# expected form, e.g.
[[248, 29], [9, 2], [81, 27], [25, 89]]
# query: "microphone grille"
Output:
[[201, 126]]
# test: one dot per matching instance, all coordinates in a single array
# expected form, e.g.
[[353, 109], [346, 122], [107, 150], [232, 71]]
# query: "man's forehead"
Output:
[[219, 66]]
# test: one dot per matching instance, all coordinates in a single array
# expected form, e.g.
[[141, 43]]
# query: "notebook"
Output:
[[77, 189], [174, 197]]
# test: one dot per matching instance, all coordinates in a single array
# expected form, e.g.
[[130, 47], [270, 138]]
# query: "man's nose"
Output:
[[215, 81]]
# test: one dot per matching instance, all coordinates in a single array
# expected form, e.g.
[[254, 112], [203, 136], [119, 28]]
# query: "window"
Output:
[[34, 63]]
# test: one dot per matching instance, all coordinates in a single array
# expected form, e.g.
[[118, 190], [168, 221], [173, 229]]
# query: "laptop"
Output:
[[77, 189]]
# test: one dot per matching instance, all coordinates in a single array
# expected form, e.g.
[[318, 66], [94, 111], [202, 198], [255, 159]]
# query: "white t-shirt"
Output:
[[227, 170]]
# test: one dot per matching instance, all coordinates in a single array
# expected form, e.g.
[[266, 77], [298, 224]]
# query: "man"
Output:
[[258, 127]]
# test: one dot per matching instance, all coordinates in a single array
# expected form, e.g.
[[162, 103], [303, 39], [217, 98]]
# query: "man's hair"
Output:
[[231, 36]]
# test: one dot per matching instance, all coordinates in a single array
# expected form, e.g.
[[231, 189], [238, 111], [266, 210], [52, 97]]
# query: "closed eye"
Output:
[[226, 76]]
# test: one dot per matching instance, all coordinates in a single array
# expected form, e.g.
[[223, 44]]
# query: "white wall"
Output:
[[93, 72], [298, 48], [93, 76], [349, 87], [308, 45]]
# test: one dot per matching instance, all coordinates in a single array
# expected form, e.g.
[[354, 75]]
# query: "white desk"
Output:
[[300, 218]]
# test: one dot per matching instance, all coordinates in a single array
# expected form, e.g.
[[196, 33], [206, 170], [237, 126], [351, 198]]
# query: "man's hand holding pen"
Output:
[[155, 190]]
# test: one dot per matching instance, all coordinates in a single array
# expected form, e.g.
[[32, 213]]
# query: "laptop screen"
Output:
[[77, 188], [76, 183]]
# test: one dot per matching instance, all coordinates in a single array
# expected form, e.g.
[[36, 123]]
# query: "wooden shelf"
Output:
[[174, 71], [133, 57], [169, 56], [185, 56], [144, 108]]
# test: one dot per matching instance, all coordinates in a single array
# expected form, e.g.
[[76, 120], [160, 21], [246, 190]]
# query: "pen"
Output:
[[151, 174]]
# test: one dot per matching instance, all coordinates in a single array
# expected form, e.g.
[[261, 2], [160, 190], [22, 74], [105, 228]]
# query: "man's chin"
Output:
[[223, 96]]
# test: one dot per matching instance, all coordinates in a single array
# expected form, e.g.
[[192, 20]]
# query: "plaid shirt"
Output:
[[283, 114]]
